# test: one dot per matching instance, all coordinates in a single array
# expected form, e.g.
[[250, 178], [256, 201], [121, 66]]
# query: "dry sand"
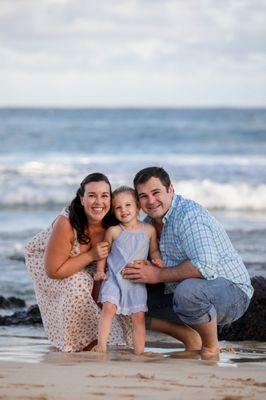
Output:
[[120, 375]]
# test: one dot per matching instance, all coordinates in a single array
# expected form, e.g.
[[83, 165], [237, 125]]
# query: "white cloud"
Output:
[[123, 52]]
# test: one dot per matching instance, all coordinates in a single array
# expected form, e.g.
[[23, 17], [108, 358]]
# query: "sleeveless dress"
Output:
[[128, 297], [70, 315]]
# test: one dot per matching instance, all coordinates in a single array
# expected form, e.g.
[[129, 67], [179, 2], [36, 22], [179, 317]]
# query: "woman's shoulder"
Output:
[[62, 225], [62, 218]]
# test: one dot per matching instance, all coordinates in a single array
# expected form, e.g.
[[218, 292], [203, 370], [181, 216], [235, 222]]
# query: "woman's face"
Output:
[[96, 201]]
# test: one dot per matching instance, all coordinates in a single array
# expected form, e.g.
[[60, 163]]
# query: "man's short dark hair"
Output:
[[152, 172]]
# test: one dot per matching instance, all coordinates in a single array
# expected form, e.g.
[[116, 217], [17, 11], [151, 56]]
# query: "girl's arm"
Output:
[[57, 258], [100, 274], [101, 264], [154, 251]]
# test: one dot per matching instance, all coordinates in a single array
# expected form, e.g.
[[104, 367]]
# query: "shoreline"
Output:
[[30, 368]]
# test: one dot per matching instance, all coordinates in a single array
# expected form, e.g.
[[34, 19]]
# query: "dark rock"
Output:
[[17, 257], [31, 316], [34, 311], [252, 325], [11, 302]]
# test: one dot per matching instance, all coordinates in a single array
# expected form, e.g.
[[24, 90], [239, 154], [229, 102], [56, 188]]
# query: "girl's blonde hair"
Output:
[[125, 189]]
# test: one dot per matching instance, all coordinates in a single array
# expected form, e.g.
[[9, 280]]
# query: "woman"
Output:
[[57, 259]]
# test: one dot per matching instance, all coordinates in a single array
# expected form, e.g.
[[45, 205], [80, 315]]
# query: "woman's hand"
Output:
[[99, 251]]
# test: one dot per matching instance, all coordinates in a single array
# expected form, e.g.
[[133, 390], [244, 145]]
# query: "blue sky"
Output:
[[133, 53]]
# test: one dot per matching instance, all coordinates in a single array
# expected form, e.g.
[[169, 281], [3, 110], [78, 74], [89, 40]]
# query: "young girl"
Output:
[[131, 240]]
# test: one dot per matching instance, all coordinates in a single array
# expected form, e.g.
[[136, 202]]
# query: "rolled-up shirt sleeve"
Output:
[[199, 245]]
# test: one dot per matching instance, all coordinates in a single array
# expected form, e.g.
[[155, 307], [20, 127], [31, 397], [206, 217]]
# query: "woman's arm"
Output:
[[57, 260]]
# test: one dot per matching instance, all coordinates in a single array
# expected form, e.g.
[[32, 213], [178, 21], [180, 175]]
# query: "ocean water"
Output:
[[216, 157]]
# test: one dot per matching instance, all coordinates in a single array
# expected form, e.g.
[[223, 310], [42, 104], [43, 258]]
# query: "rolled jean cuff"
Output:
[[205, 318]]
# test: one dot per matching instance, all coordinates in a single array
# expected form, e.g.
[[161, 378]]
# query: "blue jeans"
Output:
[[196, 301]]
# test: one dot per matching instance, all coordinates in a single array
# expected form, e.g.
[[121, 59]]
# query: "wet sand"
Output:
[[32, 369]]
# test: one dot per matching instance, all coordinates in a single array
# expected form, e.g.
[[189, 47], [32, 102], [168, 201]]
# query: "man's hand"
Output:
[[141, 271]]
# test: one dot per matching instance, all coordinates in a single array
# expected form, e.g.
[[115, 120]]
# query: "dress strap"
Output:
[[65, 212], [122, 227]]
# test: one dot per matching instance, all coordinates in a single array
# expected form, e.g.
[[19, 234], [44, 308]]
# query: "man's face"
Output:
[[154, 198]]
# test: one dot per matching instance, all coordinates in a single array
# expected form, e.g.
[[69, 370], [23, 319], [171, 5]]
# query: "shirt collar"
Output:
[[174, 204]]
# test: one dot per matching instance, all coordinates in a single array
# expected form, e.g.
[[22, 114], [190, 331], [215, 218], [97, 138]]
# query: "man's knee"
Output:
[[188, 293], [192, 302]]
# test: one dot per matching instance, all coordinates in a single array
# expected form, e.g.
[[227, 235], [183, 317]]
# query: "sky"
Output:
[[113, 53]]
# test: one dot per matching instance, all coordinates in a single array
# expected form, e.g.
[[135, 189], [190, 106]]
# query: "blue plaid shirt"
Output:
[[190, 232]]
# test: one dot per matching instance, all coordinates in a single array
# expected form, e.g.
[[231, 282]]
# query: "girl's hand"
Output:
[[146, 262], [158, 263], [99, 251], [99, 276]]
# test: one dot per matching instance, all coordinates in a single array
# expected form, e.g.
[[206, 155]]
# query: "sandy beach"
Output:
[[31, 369]]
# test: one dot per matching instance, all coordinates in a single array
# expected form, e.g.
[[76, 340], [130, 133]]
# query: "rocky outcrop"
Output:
[[31, 316], [252, 325], [11, 302]]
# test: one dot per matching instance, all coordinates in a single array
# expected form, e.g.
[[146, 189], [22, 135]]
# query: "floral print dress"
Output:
[[69, 313]]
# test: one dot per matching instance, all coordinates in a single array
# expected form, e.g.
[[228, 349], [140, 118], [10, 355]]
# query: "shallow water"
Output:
[[31, 346]]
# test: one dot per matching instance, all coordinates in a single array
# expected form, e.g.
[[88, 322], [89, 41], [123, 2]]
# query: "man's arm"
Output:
[[151, 274], [199, 245]]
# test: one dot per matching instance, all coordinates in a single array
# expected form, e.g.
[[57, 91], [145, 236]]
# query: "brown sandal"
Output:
[[90, 346]]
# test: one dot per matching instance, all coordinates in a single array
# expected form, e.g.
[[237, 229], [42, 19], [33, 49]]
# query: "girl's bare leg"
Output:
[[139, 332], [107, 315]]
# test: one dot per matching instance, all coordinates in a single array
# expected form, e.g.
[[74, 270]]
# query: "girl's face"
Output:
[[125, 207], [96, 201]]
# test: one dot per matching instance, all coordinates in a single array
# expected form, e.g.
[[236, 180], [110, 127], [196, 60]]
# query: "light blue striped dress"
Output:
[[128, 297]]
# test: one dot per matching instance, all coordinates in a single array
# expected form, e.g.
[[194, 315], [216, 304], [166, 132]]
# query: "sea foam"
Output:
[[211, 194]]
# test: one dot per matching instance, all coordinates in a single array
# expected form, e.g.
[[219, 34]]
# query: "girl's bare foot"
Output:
[[99, 349]]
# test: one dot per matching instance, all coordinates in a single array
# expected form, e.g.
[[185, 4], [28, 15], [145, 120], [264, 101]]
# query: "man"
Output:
[[207, 277]]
